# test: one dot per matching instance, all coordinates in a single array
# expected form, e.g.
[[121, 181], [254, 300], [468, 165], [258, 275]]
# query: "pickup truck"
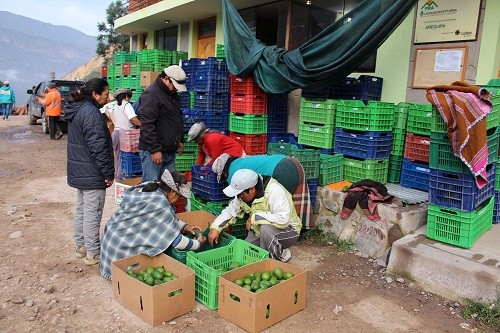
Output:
[[36, 110]]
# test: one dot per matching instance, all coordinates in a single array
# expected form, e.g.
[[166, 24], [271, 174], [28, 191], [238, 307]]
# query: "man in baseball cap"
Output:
[[177, 76], [273, 223]]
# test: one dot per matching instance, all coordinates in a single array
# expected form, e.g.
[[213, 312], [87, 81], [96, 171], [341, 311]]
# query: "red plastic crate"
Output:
[[244, 86], [417, 147], [248, 104], [253, 144], [129, 140], [126, 68], [104, 71]]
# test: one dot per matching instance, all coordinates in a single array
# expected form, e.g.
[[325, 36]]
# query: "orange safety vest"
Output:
[[53, 103]]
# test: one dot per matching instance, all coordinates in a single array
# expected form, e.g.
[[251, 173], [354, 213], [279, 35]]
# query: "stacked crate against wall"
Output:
[[415, 169], [363, 135], [398, 142], [248, 119], [129, 153], [459, 211], [277, 114], [190, 114]]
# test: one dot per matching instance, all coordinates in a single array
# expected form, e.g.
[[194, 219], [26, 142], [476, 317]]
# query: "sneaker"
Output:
[[286, 255], [80, 251], [59, 135], [89, 261]]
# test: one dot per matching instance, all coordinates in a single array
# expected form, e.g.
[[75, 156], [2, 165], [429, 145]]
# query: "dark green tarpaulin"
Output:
[[333, 54]]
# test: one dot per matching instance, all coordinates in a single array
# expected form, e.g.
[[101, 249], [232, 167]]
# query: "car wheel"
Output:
[[31, 119], [45, 124]]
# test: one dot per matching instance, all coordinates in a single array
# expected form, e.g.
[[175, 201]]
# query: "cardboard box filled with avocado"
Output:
[[259, 295], [156, 289]]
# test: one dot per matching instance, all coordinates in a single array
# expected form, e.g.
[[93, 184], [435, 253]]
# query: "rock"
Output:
[[15, 234], [337, 309], [389, 279], [17, 300], [400, 280], [29, 303]]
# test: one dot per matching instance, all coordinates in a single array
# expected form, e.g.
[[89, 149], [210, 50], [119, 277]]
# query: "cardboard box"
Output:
[[250, 311], [200, 218], [148, 78], [123, 184], [153, 304]]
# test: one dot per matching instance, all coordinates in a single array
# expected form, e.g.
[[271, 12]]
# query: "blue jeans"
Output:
[[151, 171], [5, 109]]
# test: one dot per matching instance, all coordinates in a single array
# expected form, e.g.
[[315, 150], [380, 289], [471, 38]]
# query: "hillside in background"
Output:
[[30, 50]]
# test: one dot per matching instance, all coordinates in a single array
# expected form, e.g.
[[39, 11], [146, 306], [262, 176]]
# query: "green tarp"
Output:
[[333, 54]]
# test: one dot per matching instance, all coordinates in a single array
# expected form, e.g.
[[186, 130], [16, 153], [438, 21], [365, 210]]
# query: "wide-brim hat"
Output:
[[181, 189]]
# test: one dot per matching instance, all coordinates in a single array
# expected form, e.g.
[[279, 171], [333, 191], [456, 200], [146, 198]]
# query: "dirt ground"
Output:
[[44, 288]]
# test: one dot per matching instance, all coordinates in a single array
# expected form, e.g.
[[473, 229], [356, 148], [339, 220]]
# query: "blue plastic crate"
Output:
[[131, 163], [496, 209], [217, 120], [284, 138], [323, 94], [346, 89], [459, 190], [415, 175], [204, 183], [185, 100], [277, 104], [216, 101], [370, 88], [211, 65], [366, 145], [189, 66], [276, 123], [211, 83], [191, 116], [312, 183]]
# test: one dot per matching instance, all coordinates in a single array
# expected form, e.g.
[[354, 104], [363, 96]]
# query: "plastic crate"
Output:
[[217, 120], [244, 86], [191, 116], [419, 119], [317, 111], [312, 184], [211, 264], [276, 124], [210, 82], [225, 239], [459, 190], [331, 169], [248, 123], [211, 65], [198, 203], [187, 99], [220, 51], [401, 115], [248, 104], [178, 56], [277, 104], [496, 210], [284, 138], [369, 88], [417, 148], [415, 175], [253, 144], [346, 89], [137, 68], [316, 135], [492, 119], [131, 163], [455, 227], [204, 183], [323, 94], [185, 161], [398, 142], [239, 228], [443, 158], [395, 167], [189, 66], [309, 158], [129, 140], [124, 56], [356, 170], [369, 145], [216, 207], [355, 115], [211, 101]]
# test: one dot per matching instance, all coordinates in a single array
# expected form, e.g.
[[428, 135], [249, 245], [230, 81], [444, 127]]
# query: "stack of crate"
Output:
[[277, 114], [365, 88], [317, 122], [129, 155], [398, 142], [190, 114], [248, 119], [459, 212], [415, 169], [364, 136], [188, 158]]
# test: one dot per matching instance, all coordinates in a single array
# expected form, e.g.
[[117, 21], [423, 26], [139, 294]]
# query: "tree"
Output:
[[108, 37]]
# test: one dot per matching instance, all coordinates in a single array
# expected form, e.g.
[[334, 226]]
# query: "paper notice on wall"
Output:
[[448, 61]]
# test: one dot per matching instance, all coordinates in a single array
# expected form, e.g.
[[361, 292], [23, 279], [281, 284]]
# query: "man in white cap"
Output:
[[7, 99], [162, 129], [273, 223]]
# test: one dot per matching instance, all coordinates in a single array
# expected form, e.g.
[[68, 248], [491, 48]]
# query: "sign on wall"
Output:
[[446, 20]]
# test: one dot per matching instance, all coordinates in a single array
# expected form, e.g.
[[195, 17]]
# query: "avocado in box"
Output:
[[261, 308], [158, 303]]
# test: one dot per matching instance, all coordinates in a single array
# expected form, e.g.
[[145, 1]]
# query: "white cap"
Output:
[[178, 76], [196, 130], [242, 179], [6, 82]]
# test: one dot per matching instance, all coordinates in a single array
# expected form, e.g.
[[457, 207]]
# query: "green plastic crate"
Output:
[[177, 56], [395, 167], [419, 119], [185, 161], [497, 181], [137, 68], [111, 71], [492, 119], [198, 203], [225, 239], [317, 111], [315, 135], [356, 170], [459, 228], [309, 158], [220, 52], [211, 264], [442, 157], [331, 169], [216, 207], [355, 115], [124, 56], [401, 115], [398, 142], [248, 123], [239, 228]]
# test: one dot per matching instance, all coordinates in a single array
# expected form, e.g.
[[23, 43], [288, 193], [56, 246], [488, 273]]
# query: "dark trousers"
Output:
[[54, 128]]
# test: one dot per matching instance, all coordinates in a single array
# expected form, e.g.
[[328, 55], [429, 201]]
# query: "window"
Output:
[[166, 39], [207, 28]]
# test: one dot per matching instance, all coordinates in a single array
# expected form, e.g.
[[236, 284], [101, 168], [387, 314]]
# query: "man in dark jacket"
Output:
[[161, 123]]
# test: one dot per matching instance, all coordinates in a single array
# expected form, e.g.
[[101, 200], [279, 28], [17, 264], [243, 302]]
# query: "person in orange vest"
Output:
[[52, 102]]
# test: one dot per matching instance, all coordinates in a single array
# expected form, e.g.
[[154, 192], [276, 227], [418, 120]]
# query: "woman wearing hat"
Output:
[[211, 144], [146, 222], [286, 170], [125, 119]]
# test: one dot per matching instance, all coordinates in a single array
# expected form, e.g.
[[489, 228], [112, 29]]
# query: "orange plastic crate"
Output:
[[244, 86], [249, 104], [417, 147], [253, 144]]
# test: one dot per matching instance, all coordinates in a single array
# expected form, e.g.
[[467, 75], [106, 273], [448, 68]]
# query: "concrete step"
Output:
[[449, 271]]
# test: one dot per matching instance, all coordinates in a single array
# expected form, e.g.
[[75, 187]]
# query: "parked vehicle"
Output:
[[36, 110]]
